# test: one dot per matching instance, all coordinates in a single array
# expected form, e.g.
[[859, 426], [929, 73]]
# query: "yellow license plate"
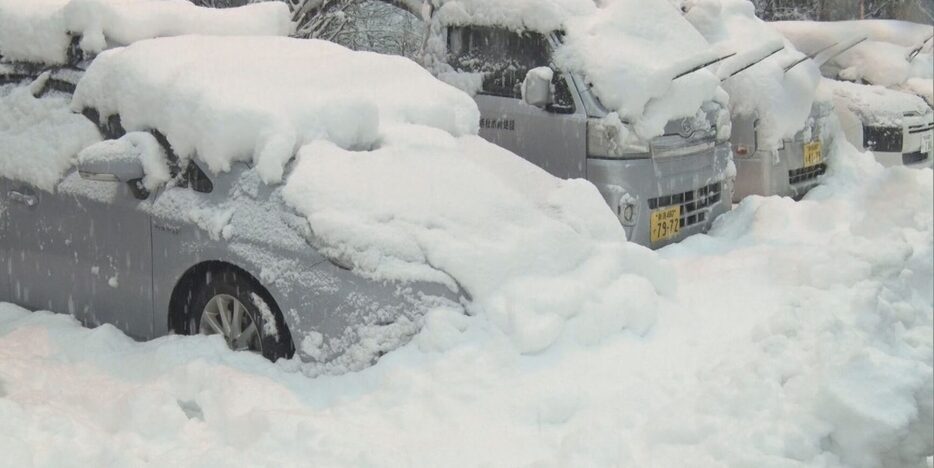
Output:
[[812, 154], [665, 223]]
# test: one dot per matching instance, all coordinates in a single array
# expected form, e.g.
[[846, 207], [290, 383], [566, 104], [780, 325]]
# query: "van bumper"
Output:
[[700, 183]]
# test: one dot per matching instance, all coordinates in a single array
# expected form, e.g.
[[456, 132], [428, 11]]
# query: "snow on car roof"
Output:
[[627, 51], [41, 30], [903, 33], [781, 101], [258, 99]]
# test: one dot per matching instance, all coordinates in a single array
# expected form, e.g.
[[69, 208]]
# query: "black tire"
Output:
[[276, 342]]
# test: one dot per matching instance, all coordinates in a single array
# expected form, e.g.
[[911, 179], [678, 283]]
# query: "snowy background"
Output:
[[797, 334]]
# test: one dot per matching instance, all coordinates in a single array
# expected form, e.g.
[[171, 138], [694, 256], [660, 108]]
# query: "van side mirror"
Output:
[[111, 169], [536, 89]]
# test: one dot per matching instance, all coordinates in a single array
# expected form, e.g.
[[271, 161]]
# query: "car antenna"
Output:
[[809, 56], [751, 64], [703, 65]]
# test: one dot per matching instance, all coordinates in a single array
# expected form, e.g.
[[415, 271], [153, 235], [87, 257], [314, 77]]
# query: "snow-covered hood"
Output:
[[628, 51], [904, 33], [42, 30], [875, 105], [781, 101]]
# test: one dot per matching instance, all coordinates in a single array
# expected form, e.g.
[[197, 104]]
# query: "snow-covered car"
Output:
[[781, 130], [895, 54], [897, 127], [618, 95], [295, 202]]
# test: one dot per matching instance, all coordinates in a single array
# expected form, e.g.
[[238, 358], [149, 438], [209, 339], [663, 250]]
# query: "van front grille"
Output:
[[695, 204], [914, 158], [796, 176]]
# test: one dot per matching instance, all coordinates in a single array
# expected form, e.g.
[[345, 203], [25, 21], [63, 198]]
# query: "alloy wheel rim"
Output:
[[225, 315]]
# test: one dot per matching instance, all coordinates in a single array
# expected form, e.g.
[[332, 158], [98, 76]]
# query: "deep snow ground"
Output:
[[800, 335]]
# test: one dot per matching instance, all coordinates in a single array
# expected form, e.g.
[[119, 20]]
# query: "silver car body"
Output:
[[95, 250], [780, 170]]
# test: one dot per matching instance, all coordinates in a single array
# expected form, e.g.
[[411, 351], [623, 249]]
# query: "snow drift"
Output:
[[800, 335], [41, 30]]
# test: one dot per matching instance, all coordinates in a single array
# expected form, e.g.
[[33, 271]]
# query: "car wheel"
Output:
[[230, 304]]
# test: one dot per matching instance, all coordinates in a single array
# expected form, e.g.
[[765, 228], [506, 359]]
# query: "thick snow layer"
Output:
[[630, 51], [904, 33], [874, 105], [543, 16], [139, 146], [228, 98], [800, 335], [881, 60], [541, 257], [781, 100], [39, 30], [39, 137]]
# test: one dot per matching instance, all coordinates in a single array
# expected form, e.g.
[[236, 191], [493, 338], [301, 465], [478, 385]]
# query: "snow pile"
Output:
[[630, 51], [874, 105], [781, 101], [541, 257], [229, 99], [41, 30], [39, 137], [800, 335]]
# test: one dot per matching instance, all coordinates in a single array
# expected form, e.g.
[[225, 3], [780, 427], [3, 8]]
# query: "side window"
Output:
[[504, 58], [375, 26]]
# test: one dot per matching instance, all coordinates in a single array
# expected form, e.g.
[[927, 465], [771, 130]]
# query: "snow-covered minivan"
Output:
[[617, 95], [781, 129]]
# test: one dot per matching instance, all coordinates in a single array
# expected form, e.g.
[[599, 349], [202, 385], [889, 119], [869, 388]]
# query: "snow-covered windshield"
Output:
[[781, 100]]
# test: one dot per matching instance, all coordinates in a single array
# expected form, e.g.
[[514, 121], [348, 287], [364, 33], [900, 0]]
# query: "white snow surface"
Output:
[[134, 145], [874, 105], [229, 99], [904, 33], [543, 16], [781, 101], [40, 30], [541, 257], [39, 137], [881, 60], [800, 334]]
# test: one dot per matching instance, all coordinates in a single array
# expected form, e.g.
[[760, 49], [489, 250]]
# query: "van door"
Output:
[[83, 250], [554, 138], [6, 225]]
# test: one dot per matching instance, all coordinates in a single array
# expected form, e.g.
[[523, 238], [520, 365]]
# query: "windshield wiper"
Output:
[[754, 62], [703, 65], [809, 56], [917, 49], [853, 44]]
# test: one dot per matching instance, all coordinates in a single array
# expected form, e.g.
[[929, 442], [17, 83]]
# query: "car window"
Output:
[[504, 58]]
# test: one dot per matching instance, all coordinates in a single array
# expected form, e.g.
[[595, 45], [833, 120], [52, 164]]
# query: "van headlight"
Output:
[[609, 138]]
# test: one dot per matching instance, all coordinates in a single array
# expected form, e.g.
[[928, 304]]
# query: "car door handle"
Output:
[[28, 200]]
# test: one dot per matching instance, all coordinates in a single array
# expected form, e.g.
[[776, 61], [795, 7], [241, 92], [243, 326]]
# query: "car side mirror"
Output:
[[536, 89], [123, 169]]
